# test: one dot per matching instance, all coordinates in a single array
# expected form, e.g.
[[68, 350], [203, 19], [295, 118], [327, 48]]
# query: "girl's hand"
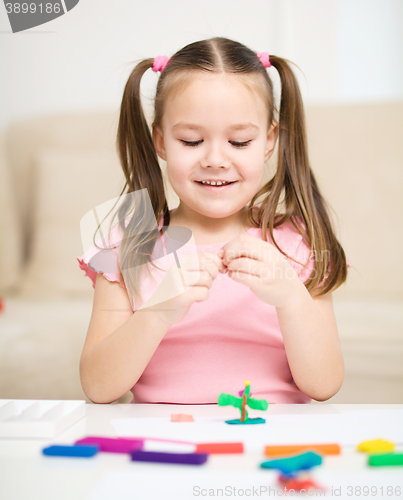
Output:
[[196, 275], [260, 266]]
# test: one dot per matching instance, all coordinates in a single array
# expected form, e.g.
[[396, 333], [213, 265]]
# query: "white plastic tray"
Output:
[[31, 418]]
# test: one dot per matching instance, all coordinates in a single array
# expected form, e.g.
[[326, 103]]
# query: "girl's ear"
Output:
[[272, 136], [158, 140]]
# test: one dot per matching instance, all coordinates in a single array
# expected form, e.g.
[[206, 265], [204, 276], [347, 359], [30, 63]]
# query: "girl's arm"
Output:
[[311, 341], [119, 344], [308, 325]]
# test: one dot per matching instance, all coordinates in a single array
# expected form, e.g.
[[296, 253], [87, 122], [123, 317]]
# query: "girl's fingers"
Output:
[[198, 278], [205, 279], [248, 246], [214, 259], [248, 266], [201, 278], [202, 261], [210, 267], [245, 278], [208, 261]]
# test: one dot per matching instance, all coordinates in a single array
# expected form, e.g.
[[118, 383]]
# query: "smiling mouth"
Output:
[[216, 188], [215, 185]]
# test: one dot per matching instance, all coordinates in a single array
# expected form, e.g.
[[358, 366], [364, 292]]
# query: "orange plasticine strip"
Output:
[[219, 448], [325, 449]]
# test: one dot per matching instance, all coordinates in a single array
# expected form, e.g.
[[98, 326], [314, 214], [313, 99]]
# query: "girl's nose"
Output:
[[215, 156]]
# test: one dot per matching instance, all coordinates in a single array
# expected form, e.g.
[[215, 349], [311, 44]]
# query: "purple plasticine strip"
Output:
[[169, 458], [112, 445], [71, 451]]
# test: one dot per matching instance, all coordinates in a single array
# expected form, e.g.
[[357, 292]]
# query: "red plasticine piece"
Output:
[[298, 484], [181, 417], [215, 448], [1, 304]]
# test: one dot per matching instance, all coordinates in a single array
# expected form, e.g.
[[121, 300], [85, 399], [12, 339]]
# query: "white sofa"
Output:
[[55, 168]]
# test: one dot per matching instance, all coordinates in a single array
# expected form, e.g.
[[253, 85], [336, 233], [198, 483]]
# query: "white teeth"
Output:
[[214, 183]]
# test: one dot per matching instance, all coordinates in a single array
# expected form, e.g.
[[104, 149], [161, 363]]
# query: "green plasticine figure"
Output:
[[241, 402]]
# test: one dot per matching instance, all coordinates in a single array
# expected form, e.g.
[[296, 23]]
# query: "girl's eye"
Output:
[[234, 143], [192, 143], [240, 144]]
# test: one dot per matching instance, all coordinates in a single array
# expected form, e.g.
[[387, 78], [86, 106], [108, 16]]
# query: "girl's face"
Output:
[[215, 129]]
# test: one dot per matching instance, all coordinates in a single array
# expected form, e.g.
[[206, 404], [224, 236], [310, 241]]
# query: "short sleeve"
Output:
[[303, 256], [104, 258]]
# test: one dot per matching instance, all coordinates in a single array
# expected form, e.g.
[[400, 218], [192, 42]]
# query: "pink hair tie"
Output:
[[160, 62], [264, 59]]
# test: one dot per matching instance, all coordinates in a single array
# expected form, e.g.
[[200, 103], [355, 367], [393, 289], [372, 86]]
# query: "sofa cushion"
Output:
[[28, 136], [67, 185], [10, 227], [357, 156]]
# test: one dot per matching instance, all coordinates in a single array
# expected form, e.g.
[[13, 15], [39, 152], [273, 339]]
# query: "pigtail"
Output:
[[141, 168], [294, 185]]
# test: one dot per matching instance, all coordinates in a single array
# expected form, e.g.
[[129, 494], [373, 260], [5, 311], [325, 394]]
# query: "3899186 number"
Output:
[[24, 8], [387, 491]]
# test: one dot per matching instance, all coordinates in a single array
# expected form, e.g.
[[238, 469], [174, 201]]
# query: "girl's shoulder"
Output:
[[289, 234], [293, 229], [291, 238]]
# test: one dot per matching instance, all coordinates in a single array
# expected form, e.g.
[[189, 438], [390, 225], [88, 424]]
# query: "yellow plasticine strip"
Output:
[[376, 446]]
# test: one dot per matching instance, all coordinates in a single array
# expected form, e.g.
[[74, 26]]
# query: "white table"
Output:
[[25, 474]]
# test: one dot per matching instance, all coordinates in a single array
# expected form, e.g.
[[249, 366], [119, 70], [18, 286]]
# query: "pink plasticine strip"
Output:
[[113, 445]]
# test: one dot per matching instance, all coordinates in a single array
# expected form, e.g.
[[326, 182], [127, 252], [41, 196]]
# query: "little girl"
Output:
[[259, 305]]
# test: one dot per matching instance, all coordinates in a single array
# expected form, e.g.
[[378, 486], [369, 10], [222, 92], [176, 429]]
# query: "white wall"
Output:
[[348, 50]]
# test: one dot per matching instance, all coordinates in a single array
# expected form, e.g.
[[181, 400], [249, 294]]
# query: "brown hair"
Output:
[[293, 185]]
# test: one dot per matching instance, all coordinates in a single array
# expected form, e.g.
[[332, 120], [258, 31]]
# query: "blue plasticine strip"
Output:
[[169, 458], [71, 451], [304, 461]]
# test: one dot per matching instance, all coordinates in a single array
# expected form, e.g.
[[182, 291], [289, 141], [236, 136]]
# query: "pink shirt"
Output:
[[221, 342]]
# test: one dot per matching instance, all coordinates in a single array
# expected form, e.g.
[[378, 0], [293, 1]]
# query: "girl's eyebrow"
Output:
[[186, 125], [192, 126], [243, 126]]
